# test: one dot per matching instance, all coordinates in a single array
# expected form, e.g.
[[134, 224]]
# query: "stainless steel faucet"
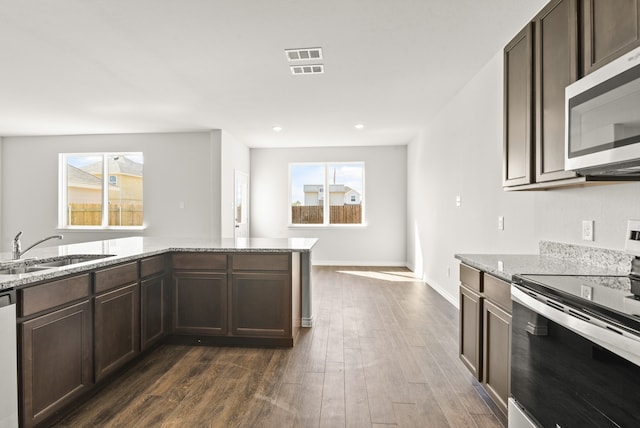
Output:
[[16, 246]]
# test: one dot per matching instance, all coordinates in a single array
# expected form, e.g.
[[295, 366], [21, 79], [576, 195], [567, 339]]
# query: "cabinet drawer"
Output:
[[498, 291], [261, 261], [54, 293], [152, 266], [200, 261], [107, 279], [471, 277]]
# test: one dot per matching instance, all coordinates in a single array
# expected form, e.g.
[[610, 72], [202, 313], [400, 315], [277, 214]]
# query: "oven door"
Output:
[[566, 366]]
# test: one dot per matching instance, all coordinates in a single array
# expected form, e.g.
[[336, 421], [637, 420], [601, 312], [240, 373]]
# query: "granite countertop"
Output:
[[554, 258], [504, 266], [132, 248]]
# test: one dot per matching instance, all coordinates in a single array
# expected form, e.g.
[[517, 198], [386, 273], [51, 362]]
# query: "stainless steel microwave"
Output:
[[602, 120]]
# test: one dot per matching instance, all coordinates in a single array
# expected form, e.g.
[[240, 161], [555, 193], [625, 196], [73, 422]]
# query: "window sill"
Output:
[[328, 226], [101, 229]]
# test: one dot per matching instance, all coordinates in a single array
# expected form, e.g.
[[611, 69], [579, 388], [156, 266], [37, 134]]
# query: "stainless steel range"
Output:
[[575, 352], [575, 349]]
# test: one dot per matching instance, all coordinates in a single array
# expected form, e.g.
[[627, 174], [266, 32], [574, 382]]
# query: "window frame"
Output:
[[106, 182], [326, 200]]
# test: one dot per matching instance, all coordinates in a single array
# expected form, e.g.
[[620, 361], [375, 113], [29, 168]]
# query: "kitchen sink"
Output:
[[69, 260], [16, 267], [21, 269]]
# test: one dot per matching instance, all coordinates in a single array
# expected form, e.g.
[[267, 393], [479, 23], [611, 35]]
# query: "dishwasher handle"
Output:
[[7, 297]]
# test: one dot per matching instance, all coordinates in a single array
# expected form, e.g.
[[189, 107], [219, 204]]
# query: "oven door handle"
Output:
[[609, 336]]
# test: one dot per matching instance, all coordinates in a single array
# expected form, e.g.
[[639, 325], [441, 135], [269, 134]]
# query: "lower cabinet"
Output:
[[497, 354], [200, 303], [155, 300], [117, 329], [471, 330], [154, 295], [56, 361], [261, 305], [237, 297], [485, 332]]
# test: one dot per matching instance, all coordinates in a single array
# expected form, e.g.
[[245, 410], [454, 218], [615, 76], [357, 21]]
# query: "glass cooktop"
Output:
[[608, 297]]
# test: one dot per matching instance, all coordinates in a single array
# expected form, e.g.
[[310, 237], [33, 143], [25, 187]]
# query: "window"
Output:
[[344, 201], [99, 190]]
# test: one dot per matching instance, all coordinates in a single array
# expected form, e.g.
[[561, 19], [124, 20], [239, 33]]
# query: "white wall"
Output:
[[460, 153], [178, 167], [559, 214], [381, 242], [235, 156]]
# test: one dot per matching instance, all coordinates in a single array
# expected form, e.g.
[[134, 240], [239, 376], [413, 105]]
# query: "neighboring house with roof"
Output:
[[339, 194], [125, 178], [82, 187], [352, 196], [313, 194]]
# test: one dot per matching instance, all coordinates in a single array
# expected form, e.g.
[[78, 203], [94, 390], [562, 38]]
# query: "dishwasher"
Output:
[[8, 360]]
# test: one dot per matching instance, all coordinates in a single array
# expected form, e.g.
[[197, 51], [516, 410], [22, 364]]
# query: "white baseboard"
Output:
[[441, 291], [356, 263]]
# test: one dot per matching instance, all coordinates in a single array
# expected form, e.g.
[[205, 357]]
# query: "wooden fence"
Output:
[[91, 214], [338, 214]]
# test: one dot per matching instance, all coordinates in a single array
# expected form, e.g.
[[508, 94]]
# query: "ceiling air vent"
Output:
[[306, 54], [307, 69]]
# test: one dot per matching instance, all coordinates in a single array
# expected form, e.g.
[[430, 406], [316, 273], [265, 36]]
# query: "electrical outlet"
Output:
[[500, 223], [587, 230], [586, 292]]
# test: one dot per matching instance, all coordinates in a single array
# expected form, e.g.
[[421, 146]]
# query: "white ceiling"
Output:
[[114, 66]]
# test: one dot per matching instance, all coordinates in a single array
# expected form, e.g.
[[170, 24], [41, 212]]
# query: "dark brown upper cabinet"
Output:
[[556, 67], [518, 135], [610, 28]]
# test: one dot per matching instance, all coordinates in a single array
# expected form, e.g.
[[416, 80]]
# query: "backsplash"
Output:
[[603, 257]]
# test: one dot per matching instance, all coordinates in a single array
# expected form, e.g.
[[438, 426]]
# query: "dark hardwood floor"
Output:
[[383, 352]]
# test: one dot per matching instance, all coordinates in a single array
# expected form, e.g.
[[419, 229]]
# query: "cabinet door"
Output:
[[117, 329], [57, 361], [610, 29], [471, 331], [153, 310], [518, 139], [200, 303], [497, 353], [556, 66], [261, 305]]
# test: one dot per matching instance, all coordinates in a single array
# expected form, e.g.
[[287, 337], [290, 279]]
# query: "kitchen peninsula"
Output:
[[85, 310]]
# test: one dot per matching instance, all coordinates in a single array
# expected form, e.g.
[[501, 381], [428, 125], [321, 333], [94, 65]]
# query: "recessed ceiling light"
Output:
[[359, 126], [277, 128]]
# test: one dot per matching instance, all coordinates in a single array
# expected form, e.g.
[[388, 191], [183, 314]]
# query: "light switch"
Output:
[[500, 223], [458, 201], [587, 230]]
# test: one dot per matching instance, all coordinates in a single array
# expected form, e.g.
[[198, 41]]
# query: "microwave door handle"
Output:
[[599, 332]]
